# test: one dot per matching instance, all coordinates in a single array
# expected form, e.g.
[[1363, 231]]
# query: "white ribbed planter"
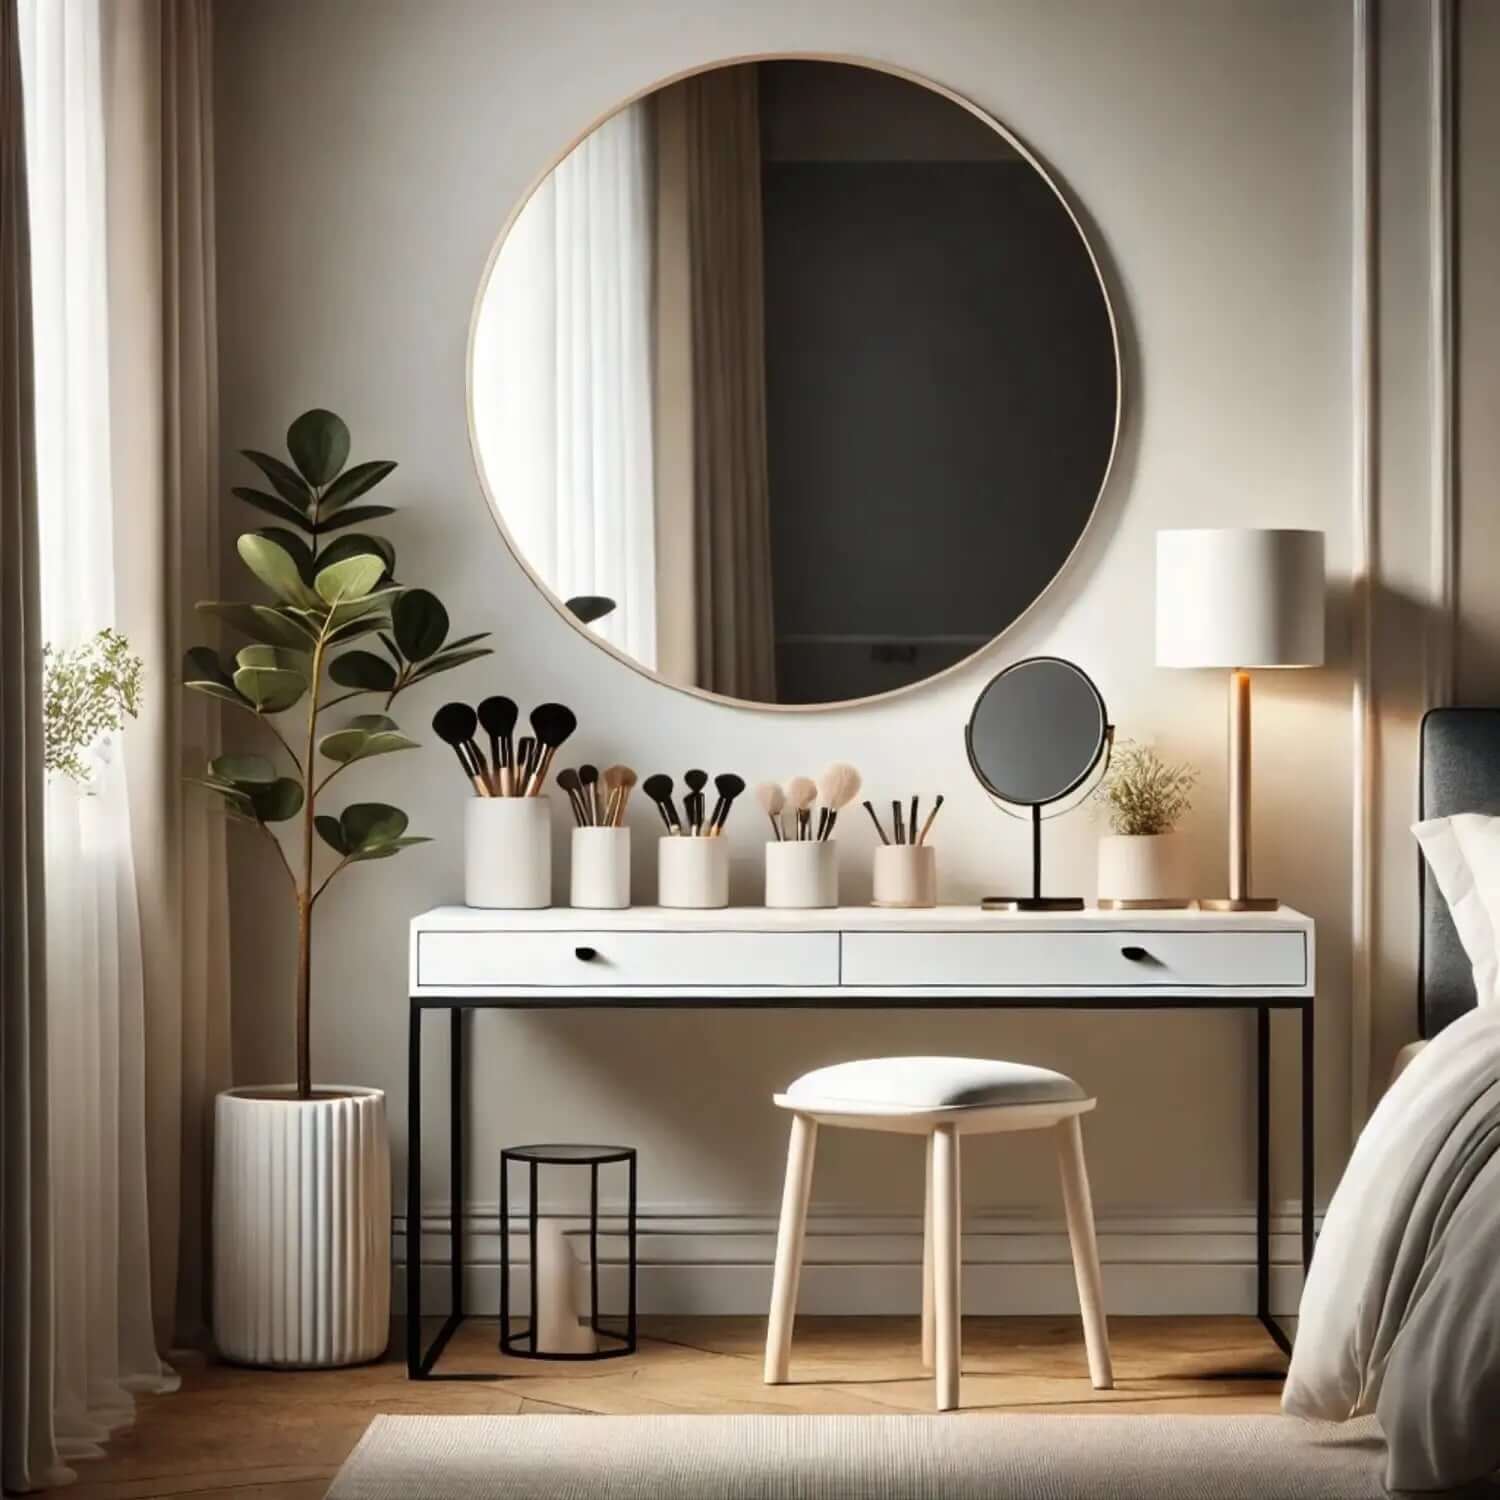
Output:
[[302, 1227]]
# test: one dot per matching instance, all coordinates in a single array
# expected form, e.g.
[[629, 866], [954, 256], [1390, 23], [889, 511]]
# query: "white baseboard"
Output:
[[719, 1262]]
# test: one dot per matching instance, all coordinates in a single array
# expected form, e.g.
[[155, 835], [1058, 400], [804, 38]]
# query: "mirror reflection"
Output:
[[796, 379]]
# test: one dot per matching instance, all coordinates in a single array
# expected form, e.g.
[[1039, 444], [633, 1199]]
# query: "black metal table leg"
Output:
[[414, 1195], [419, 1364], [1309, 1137]]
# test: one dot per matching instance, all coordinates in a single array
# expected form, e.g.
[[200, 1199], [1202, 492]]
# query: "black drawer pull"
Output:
[[1134, 953], [586, 953]]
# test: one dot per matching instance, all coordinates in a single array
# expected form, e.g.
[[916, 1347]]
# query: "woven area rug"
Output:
[[862, 1458]]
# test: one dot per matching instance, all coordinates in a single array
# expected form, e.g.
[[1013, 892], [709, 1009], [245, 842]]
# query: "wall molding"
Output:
[[719, 1263], [1364, 533], [1441, 653]]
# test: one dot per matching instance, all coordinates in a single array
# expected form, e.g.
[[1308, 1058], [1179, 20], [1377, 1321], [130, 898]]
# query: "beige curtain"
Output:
[[158, 67], [28, 1452], [735, 634]]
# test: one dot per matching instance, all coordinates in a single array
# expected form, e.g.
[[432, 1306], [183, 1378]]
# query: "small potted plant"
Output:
[[1141, 862], [302, 1217]]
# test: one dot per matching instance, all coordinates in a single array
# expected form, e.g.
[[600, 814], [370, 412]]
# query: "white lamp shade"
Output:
[[1239, 598]]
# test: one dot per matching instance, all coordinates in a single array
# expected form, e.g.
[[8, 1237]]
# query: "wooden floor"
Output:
[[255, 1435]]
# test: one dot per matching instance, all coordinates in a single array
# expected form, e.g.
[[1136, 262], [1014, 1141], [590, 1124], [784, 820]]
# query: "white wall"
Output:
[[368, 151]]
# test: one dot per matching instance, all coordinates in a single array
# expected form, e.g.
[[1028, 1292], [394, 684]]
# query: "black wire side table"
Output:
[[610, 1343]]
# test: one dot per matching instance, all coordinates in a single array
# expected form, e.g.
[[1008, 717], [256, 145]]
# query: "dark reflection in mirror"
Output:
[[804, 366]]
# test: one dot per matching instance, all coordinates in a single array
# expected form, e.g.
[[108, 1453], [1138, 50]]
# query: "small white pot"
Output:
[[600, 874], [905, 875], [692, 872], [1143, 867], [802, 873], [302, 1227], [508, 852]]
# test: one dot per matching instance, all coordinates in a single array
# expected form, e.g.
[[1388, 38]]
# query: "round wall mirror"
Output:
[[801, 375]]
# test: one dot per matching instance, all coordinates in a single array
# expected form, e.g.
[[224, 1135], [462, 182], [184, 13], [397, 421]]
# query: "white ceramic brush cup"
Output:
[[906, 875], [692, 873], [508, 852], [802, 873], [600, 876]]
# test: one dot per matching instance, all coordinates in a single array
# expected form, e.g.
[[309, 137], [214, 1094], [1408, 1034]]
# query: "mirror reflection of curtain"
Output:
[[563, 378], [716, 608]]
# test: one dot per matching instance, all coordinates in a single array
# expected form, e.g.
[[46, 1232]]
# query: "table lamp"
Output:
[[1239, 599]]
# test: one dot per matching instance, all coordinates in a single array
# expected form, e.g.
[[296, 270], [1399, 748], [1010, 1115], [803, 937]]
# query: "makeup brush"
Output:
[[911, 822], [693, 803], [552, 723], [498, 716], [588, 776], [801, 793], [870, 808], [922, 837], [618, 780], [455, 723], [659, 789], [525, 759], [567, 779], [837, 788], [772, 799], [729, 786], [898, 829]]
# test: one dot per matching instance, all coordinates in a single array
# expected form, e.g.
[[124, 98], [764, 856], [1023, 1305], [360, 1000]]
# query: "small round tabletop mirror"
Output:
[[1038, 731], [799, 375]]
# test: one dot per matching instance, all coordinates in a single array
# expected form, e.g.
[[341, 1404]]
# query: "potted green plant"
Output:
[[1141, 859], [302, 1173]]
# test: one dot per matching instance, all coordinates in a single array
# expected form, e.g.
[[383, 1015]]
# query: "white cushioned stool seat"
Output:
[[925, 1083]]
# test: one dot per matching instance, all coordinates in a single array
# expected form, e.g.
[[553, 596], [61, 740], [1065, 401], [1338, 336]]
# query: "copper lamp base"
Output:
[[1238, 903]]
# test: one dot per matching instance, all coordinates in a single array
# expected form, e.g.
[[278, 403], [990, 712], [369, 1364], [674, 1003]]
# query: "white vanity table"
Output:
[[464, 958]]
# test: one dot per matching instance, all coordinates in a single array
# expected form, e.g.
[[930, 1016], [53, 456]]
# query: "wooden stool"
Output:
[[942, 1098]]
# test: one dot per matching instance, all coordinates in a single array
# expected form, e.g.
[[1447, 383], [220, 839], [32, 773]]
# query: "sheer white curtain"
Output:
[[563, 379], [105, 1347]]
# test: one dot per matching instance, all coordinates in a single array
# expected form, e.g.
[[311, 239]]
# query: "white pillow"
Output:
[[1463, 853]]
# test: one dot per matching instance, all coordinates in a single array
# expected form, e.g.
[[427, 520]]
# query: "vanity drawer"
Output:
[[580, 959], [1110, 960]]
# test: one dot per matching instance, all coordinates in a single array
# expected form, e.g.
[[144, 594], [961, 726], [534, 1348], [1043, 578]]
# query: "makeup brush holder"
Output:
[[508, 852], [802, 873], [905, 875], [692, 872], [600, 873]]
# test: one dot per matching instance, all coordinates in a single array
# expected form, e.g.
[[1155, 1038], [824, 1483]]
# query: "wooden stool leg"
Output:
[[789, 1238], [946, 1252], [927, 1330], [1080, 1212]]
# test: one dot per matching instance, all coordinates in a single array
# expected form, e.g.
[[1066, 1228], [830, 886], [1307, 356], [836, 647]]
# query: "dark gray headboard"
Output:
[[1460, 773]]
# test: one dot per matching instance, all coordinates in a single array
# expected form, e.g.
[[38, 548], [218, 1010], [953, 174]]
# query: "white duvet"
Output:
[[1401, 1312]]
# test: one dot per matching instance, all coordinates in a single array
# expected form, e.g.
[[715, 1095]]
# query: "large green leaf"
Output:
[[277, 569], [242, 771], [261, 622], [419, 623], [277, 802], [319, 444], [287, 482], [301, 552], [276, 658], [358, 544], [271, 690], [363, 670], [201, 665], [364, 736], [353, 483], [353, 609], [352, 578], [386, 850], [352, 630], [272, 505], [447, 661], [371, 825], [355, 514], [331, 832], [236, 803]]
